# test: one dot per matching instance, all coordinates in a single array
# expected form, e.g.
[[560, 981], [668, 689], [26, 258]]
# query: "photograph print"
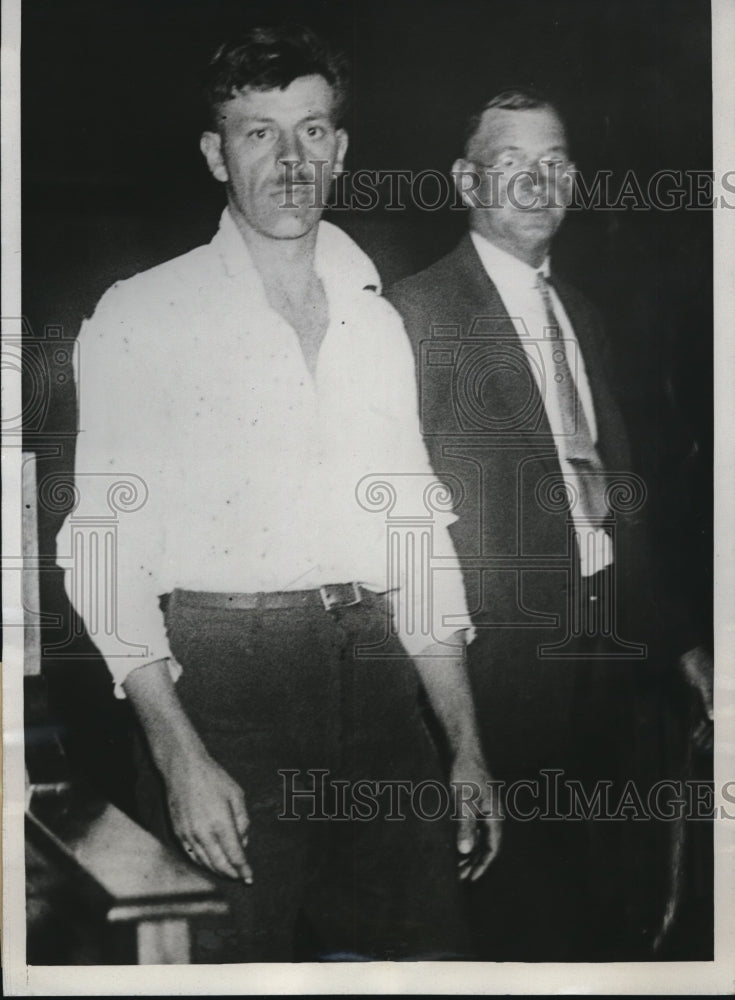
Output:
[[367, 462]]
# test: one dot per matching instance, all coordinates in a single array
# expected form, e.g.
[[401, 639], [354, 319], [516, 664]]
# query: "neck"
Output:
[[533, 255], [279, 261]]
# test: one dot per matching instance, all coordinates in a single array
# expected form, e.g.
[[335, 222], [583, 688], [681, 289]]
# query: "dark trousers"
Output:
[[576, 889], [286, 707]]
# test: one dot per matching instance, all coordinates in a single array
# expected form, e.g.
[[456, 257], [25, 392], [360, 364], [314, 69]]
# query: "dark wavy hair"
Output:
[[269, 58]]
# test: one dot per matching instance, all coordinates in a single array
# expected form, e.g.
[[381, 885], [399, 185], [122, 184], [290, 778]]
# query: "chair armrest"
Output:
[[114, 869]]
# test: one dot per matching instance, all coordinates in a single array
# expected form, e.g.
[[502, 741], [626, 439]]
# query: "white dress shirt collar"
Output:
[[517, 285], [339, 262], [504, 268]]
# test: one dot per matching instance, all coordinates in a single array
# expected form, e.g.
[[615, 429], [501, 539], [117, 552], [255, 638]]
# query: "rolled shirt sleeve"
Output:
[[429, 601], [115, 536]]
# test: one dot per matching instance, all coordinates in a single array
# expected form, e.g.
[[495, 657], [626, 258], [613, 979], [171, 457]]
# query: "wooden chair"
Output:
[[112, 892]]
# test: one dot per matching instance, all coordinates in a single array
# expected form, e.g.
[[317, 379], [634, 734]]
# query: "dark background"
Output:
[[113, 182]]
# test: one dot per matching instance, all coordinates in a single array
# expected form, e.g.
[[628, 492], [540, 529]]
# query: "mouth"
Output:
[[299, 194], [537, 213], [294, 182], [290, 185], [538, 210]]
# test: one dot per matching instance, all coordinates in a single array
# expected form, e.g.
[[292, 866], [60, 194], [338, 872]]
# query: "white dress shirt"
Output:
[[516, 283], [255, 471]]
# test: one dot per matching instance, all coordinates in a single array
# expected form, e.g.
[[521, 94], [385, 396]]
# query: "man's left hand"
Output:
[[479, 817]]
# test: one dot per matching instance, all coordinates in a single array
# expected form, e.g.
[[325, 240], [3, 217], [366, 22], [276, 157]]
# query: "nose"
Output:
[[291, 151], [528, 184], [538, 175], [536, 178]]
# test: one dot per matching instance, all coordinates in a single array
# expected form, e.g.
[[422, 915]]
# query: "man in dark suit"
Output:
[[521, 423]]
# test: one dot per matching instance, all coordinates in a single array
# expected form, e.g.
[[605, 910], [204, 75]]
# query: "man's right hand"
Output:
[[207, 807], [208, 814]]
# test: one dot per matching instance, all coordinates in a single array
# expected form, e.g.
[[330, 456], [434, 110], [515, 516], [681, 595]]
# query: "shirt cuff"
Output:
[[120, 674], [445, 622]]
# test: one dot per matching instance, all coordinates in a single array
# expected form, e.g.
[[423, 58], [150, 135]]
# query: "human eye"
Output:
[[553, 160], [316, 131], [260, 133], [507, 161]]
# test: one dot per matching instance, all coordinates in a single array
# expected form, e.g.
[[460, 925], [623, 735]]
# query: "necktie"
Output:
[[578, 447]]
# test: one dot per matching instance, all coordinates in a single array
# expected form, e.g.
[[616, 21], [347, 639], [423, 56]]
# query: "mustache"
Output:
[[304, 171]]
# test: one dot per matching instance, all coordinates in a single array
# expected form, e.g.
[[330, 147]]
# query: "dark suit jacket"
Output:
[[487, 433], [488, 437]]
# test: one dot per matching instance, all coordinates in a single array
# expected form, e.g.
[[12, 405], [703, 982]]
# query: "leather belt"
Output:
[[329, 597]]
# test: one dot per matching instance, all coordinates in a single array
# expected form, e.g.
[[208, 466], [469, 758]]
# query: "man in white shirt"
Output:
[[261, 392], [518, 415]]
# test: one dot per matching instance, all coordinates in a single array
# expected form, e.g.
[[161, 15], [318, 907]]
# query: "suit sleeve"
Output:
[[653, 437]]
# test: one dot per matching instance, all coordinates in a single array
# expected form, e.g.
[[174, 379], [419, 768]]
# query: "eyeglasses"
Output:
[[553, 169]]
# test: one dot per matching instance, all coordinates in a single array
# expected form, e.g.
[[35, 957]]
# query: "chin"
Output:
[[540, 220], [292, 226], [549, 217]]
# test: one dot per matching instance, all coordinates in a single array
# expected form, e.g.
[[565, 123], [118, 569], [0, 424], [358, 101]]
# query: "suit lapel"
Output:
[[485, 319]]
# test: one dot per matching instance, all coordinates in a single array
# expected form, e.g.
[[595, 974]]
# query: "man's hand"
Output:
[[208, 815], [480, 821], [444, 675], [207, 807], [697, 668]]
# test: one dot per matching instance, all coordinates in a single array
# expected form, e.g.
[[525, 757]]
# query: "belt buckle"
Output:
[[331, 602]]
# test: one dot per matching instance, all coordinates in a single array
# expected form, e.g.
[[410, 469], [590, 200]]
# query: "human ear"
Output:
[[461, 170], [211, 147], [342, 143]]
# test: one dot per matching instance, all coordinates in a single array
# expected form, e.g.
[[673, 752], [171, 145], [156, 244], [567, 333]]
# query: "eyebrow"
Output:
[[264, 119], [516, 149]]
